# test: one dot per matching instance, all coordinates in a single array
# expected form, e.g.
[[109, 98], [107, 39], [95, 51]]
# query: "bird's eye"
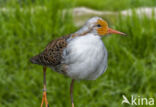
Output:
[[98, 25]]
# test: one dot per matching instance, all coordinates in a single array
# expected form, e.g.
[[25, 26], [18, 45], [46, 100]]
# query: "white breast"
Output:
[[86, 57]]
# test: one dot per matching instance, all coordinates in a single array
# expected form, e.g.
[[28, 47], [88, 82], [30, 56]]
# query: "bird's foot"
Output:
[[44, 99]]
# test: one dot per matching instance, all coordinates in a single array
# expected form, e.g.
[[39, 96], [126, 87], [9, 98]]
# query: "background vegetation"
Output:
[[115, 5], [25, 32]]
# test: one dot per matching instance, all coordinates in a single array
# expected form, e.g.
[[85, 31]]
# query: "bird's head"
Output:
[[98, 26]]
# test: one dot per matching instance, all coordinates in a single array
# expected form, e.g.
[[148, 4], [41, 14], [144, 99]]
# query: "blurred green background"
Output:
[[27, 26]]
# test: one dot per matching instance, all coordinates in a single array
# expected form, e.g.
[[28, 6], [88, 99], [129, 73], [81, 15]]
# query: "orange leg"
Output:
[[71, 92], [44, 97]]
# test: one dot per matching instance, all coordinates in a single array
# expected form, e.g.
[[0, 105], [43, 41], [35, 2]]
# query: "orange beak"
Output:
[[111, 31]]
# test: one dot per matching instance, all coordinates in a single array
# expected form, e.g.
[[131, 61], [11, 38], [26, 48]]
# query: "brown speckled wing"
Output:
[[52, 55]]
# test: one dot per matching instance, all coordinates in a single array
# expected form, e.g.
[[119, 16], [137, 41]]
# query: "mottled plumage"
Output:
[[52, 54]]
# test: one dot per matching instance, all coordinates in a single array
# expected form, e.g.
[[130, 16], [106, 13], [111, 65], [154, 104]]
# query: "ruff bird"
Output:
[[80, 55]]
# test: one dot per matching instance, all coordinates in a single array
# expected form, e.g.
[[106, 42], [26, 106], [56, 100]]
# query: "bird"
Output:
[[81, 55]]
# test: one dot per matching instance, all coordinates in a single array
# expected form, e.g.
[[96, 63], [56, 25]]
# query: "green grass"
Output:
[[115, 5], [132, 59]]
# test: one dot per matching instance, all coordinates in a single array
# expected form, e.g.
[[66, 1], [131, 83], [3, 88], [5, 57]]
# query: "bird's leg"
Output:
[[71, 92], [44, 97]]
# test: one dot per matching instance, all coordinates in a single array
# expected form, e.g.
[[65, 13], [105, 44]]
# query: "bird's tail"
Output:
[[36, 59]]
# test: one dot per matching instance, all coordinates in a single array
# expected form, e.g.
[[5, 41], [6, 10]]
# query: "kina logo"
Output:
[[137, 100]]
